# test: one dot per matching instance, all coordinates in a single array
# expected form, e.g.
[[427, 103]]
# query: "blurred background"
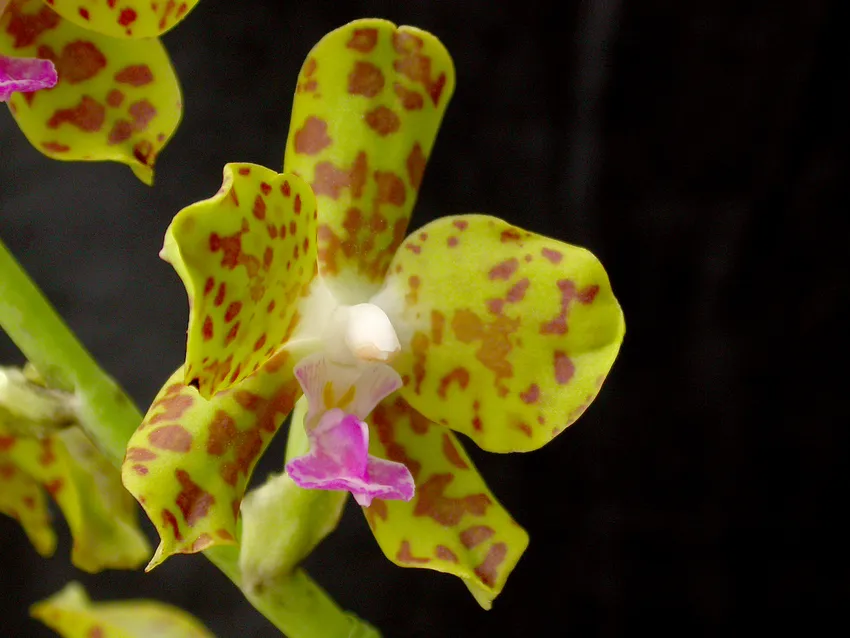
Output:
[[699, 149]]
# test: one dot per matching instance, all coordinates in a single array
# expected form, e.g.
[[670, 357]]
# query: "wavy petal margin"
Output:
[[189, 462], [100, 513], [454, 524], [246, 256], [368, 105], [115, 100], [509, 334], [71, 614], [124, 18]]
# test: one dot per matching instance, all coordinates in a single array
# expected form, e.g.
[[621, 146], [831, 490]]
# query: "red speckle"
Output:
[[142, 113], [383, 121], [175, 438], [259, 210], [476, 535], [416, 166], [410, 100], [245, 170], [260, 343], [170, 520], [588, 294], [312, 138], [208, 286], [127, 17], [517, 291], [532, 395], [564, 368], [265, 188], [84, 13], [207, 330], [87, 116], [27, 28], [460, 224], [135, 75], [552, 255], [445, 510], [286, 189], [55, 147], [487, 571], [365, 79], [121, 131], [444, 553], [363, 40], [79, 61], [504, 270], [451, 453], [404, 555], [296, 206], [193, 502], [114, 98], [232, 310]]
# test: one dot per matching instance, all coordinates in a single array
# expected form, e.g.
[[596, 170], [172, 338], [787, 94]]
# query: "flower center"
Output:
[[362, 332]]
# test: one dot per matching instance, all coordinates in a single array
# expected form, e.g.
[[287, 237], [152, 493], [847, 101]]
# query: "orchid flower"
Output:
[[117, 97], [303, 282], [43, 450]]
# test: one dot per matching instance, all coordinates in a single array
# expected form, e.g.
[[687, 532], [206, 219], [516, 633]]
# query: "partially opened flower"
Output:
[[304, 280], [44, 451], [117, 97]]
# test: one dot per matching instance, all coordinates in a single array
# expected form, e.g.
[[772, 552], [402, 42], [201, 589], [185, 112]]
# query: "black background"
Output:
[[699, 148]]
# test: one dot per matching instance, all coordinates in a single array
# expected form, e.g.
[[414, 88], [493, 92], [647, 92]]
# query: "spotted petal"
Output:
[[115, 100], [189, 462], [246, 256], [99, 513], [22, 498], [509, 334], [454, 524], [25, 75], [125, 18], [72, 615], [368, 105]]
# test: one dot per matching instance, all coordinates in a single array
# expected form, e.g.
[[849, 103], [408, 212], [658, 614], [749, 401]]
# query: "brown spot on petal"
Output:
[[175, 438], [475, 535], [383, 121], [363, 40], [170, 520], [312, 137], [410, 100], [564, 368], [447, 511], [504, 270], [488, 570], [78, 62], [532, 395], [552, 255], [458, 375], [416, 166], [451, 453], [444, 553], [87, 116], [135, 75], [193, 501], [365, 79], [404, 555]]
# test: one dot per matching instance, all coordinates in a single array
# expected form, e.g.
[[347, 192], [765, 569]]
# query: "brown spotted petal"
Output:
[[368, 104], [507, 335], [454, 524], [246, 256], [115, 100], [189, 462], [71, 614], [100, 514], [125, 18]]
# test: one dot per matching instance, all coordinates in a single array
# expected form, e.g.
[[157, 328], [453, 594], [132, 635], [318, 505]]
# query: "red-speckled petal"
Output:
[[25, 75], [368, 105], [189, 462], [99, 512], [115, 100], [71, 614], [454, 524], [246, 256], [125, 18], [507, 335]]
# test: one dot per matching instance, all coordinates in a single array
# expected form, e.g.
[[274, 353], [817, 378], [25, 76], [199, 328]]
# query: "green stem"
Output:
[[296, 605]]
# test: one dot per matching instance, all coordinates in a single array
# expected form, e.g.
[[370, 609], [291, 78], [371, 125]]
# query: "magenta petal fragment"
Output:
[[339, 460], [24, 75]]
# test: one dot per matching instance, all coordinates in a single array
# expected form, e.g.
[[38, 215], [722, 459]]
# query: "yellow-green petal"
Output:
[[454, 524], [246, 256], [124, 18], [368, 104], [116, 100], [71, 614], [100, 514], [189, 462], [508, 335]]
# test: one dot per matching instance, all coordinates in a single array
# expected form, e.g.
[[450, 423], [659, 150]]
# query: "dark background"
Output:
[[699, 148]]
